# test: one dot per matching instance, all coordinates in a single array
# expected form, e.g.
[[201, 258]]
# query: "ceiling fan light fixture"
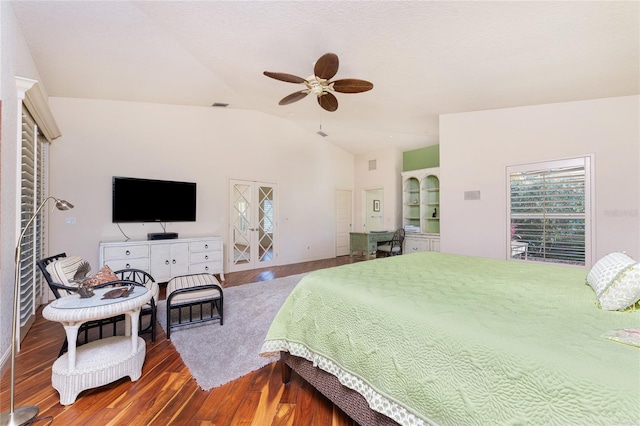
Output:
[[320, 85], [315, 85], [220, 104], [321, 133]]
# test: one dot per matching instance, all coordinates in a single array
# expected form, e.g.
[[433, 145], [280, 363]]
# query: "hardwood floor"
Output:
[[166, 394]]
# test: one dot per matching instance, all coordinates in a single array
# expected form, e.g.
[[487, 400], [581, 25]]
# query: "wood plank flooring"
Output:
[[166, 394]]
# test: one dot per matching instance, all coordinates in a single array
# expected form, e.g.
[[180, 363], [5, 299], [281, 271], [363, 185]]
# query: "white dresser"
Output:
[[165, 259], [414, 242]]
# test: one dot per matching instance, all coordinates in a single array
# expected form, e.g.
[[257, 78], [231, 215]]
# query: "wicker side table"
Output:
[[103, 361]]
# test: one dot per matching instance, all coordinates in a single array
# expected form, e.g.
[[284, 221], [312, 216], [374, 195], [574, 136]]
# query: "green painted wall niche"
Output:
[[421, 158]]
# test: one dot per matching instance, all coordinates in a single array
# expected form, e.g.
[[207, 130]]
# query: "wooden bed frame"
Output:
[[348, 400]]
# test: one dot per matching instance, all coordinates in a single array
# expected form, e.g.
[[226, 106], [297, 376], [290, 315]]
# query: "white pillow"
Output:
[[606, 269], [63, 270], [623, 291], [616, 280]]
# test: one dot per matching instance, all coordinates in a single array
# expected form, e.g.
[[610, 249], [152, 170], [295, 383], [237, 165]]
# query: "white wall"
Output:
[[476, 147], [386, 176], [208, 146], [16, 61]]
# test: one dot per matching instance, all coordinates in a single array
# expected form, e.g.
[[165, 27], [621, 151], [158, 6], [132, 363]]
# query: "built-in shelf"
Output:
[[421, 199]]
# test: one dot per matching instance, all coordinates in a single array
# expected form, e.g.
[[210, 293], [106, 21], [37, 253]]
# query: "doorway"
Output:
[[344, 213], [252, 225], [374, 210]]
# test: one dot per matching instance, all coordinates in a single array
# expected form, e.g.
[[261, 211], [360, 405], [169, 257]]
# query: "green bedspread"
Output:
[[431, 338]]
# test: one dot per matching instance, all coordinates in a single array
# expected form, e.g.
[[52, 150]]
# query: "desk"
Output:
[[102, 361], [367, 242]]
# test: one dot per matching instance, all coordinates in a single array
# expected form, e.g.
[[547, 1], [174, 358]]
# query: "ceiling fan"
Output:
[[325, 68]]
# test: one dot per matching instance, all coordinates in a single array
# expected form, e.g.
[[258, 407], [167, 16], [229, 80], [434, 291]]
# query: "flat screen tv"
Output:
[[149, 200]]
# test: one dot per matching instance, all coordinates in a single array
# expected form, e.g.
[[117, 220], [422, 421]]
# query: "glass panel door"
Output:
[[266, 228], [241, 224], [252, 224]]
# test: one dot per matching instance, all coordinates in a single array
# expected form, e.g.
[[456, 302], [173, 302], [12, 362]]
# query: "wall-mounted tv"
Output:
[[149, 200]]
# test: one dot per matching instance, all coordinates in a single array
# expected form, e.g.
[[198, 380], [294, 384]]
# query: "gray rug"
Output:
[[217, 354]]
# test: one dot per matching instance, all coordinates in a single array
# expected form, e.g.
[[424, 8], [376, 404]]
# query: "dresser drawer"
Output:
[[205, 268], [139, 263], [126, 252], [206, 245], [212, 256]]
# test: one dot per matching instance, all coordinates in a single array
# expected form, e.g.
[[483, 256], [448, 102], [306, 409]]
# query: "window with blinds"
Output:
[[550, 211], [32, 181]]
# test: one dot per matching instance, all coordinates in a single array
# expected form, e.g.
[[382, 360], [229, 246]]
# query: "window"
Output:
[[550, 211], [32, 181]]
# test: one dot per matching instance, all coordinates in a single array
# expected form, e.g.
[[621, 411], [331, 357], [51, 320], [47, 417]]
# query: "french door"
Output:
[[252, 225]]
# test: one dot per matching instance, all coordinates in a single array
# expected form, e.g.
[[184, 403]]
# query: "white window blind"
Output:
[[550, 211], [31, 195]]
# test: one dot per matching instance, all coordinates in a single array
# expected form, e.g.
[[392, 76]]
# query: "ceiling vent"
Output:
[[373, 165]]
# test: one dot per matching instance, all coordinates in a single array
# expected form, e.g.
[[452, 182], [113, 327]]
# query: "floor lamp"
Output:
[[26, 414]]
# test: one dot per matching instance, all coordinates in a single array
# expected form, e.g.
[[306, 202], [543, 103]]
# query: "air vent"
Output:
[[471, 195], [220, 104], [373, 164]]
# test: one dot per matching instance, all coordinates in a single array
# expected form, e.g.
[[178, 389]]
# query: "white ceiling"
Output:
[[424, 58]]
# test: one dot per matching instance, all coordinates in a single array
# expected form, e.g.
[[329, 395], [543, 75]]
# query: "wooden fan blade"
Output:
[[328, 101], [294, 97], [351, 85], [327, 66], [289, 78]]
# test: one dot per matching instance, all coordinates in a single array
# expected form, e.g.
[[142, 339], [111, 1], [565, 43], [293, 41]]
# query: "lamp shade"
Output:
[[63, 205]]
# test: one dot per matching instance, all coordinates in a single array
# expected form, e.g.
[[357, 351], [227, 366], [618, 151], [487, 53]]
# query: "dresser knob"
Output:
[[206, 246], [127, 252], [174, 261], [166, 262], [128, 266], [206, 258], [206, 268]]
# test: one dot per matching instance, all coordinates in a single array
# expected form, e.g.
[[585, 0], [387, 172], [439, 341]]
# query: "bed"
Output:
[[439, 339]]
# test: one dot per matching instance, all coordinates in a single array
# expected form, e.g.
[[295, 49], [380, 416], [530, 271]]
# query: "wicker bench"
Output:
[[199, 294]]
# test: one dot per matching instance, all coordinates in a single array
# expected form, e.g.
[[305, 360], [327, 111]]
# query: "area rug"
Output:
[[217, 354]]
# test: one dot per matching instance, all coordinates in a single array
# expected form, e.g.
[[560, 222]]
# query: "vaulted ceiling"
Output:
[[424, 58]]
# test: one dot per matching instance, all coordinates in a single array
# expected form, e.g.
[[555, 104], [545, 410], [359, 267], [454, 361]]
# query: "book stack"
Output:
[[411, 228]]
